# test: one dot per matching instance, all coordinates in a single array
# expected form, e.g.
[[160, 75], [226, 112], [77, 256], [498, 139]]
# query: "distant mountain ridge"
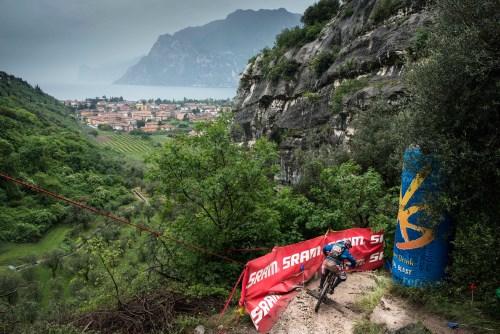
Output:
[[211, 55], [105, 73]]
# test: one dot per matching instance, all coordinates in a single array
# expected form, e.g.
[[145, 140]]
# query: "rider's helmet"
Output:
[[347, 243]]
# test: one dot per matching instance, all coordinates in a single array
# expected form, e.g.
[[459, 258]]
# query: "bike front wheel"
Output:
[[326, 287]]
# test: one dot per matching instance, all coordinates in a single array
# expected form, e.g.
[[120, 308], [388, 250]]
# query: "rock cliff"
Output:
[[359, 57]]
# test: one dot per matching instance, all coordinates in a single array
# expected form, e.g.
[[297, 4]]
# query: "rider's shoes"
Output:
[[331, 291], [320, 289]]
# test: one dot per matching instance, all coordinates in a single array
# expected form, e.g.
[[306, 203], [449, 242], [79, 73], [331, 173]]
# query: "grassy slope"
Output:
[[13, 253]]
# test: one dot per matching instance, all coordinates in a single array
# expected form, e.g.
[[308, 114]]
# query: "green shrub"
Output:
[[186, 323], [105, 127], [384, 9], [53, 328], [296, 37], [379, 139], [203, 290], [347, 86], [320, 12], [290, 37], [347, 12], [419, 43], [364, 326], [349, 66], [322, 62], [313, 32], [311, 96], [285, 69]]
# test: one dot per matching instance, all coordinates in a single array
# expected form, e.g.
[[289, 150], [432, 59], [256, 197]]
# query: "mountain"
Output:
[[105, 73], [211, 55], [306, 93]]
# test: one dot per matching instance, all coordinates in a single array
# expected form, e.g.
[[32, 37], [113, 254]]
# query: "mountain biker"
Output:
[[340, 254]]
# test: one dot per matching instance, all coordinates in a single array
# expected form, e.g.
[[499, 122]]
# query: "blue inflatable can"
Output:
[[421, 243]]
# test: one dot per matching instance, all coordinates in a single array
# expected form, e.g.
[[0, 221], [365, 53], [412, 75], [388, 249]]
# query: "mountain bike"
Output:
[[330, 280]]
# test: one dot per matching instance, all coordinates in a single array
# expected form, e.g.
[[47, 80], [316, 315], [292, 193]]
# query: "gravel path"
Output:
[[341, 315]]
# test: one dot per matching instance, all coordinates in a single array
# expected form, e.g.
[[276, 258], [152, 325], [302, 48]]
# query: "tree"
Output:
[[105, 127], [380, 139], [218, 195], [294, 213], [455, 100], [320, 12], [81, 263], [109, 253], [53, 260], [17, 300], [346, 198]]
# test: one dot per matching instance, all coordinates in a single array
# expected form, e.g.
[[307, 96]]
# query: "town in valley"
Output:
[[148, 116]]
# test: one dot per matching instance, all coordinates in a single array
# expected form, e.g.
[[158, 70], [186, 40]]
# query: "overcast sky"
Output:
[[45, 41]]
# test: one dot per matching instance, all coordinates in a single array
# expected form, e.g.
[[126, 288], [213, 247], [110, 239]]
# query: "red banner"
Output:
[[270, 281]]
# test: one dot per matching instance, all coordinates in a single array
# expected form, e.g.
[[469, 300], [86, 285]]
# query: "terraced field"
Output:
[[132, 146]]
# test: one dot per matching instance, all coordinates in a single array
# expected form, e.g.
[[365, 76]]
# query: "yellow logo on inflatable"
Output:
[[405, 213]]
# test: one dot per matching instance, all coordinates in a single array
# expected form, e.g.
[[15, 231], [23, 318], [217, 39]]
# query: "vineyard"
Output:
[[132, 146]]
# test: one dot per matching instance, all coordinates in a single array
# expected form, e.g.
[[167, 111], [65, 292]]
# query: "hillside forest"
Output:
[[205, 195]]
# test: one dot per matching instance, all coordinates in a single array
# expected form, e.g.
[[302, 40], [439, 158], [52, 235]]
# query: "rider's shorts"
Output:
[[330, 265]]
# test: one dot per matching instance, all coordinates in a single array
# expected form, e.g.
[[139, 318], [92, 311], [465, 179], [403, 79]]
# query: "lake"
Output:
[[80, 91]]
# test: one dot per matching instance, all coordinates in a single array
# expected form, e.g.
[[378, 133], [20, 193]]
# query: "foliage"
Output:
[[371, 298], [320, 12], [365, 326], [284, 70], [311, 97], [293, 214], [18, 299], [185, 324], [345, 198], [311, 162], [321, 63], [287, 39], [42, 144], [454, 104], [348, 67], [53, 260], [380, 139], [384, 9], [105, 127], [419, 43], [296, 37], [447, 300], [217, 195], [43, 327], [202, 290], [347, 86]]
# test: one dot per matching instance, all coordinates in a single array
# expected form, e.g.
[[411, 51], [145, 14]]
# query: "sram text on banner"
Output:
[[298, 258], [263, 308], [263, 273]]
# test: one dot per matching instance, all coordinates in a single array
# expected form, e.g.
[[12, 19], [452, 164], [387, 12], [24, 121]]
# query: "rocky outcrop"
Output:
[[212, 55], [364, 47]]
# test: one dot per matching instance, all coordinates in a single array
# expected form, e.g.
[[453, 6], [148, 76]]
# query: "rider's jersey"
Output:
[[345, 255]]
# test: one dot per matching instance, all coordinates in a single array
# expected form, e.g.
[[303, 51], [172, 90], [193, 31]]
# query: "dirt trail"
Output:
[[341, 316]]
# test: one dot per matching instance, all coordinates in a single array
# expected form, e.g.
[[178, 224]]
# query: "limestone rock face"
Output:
[[368, 51]]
